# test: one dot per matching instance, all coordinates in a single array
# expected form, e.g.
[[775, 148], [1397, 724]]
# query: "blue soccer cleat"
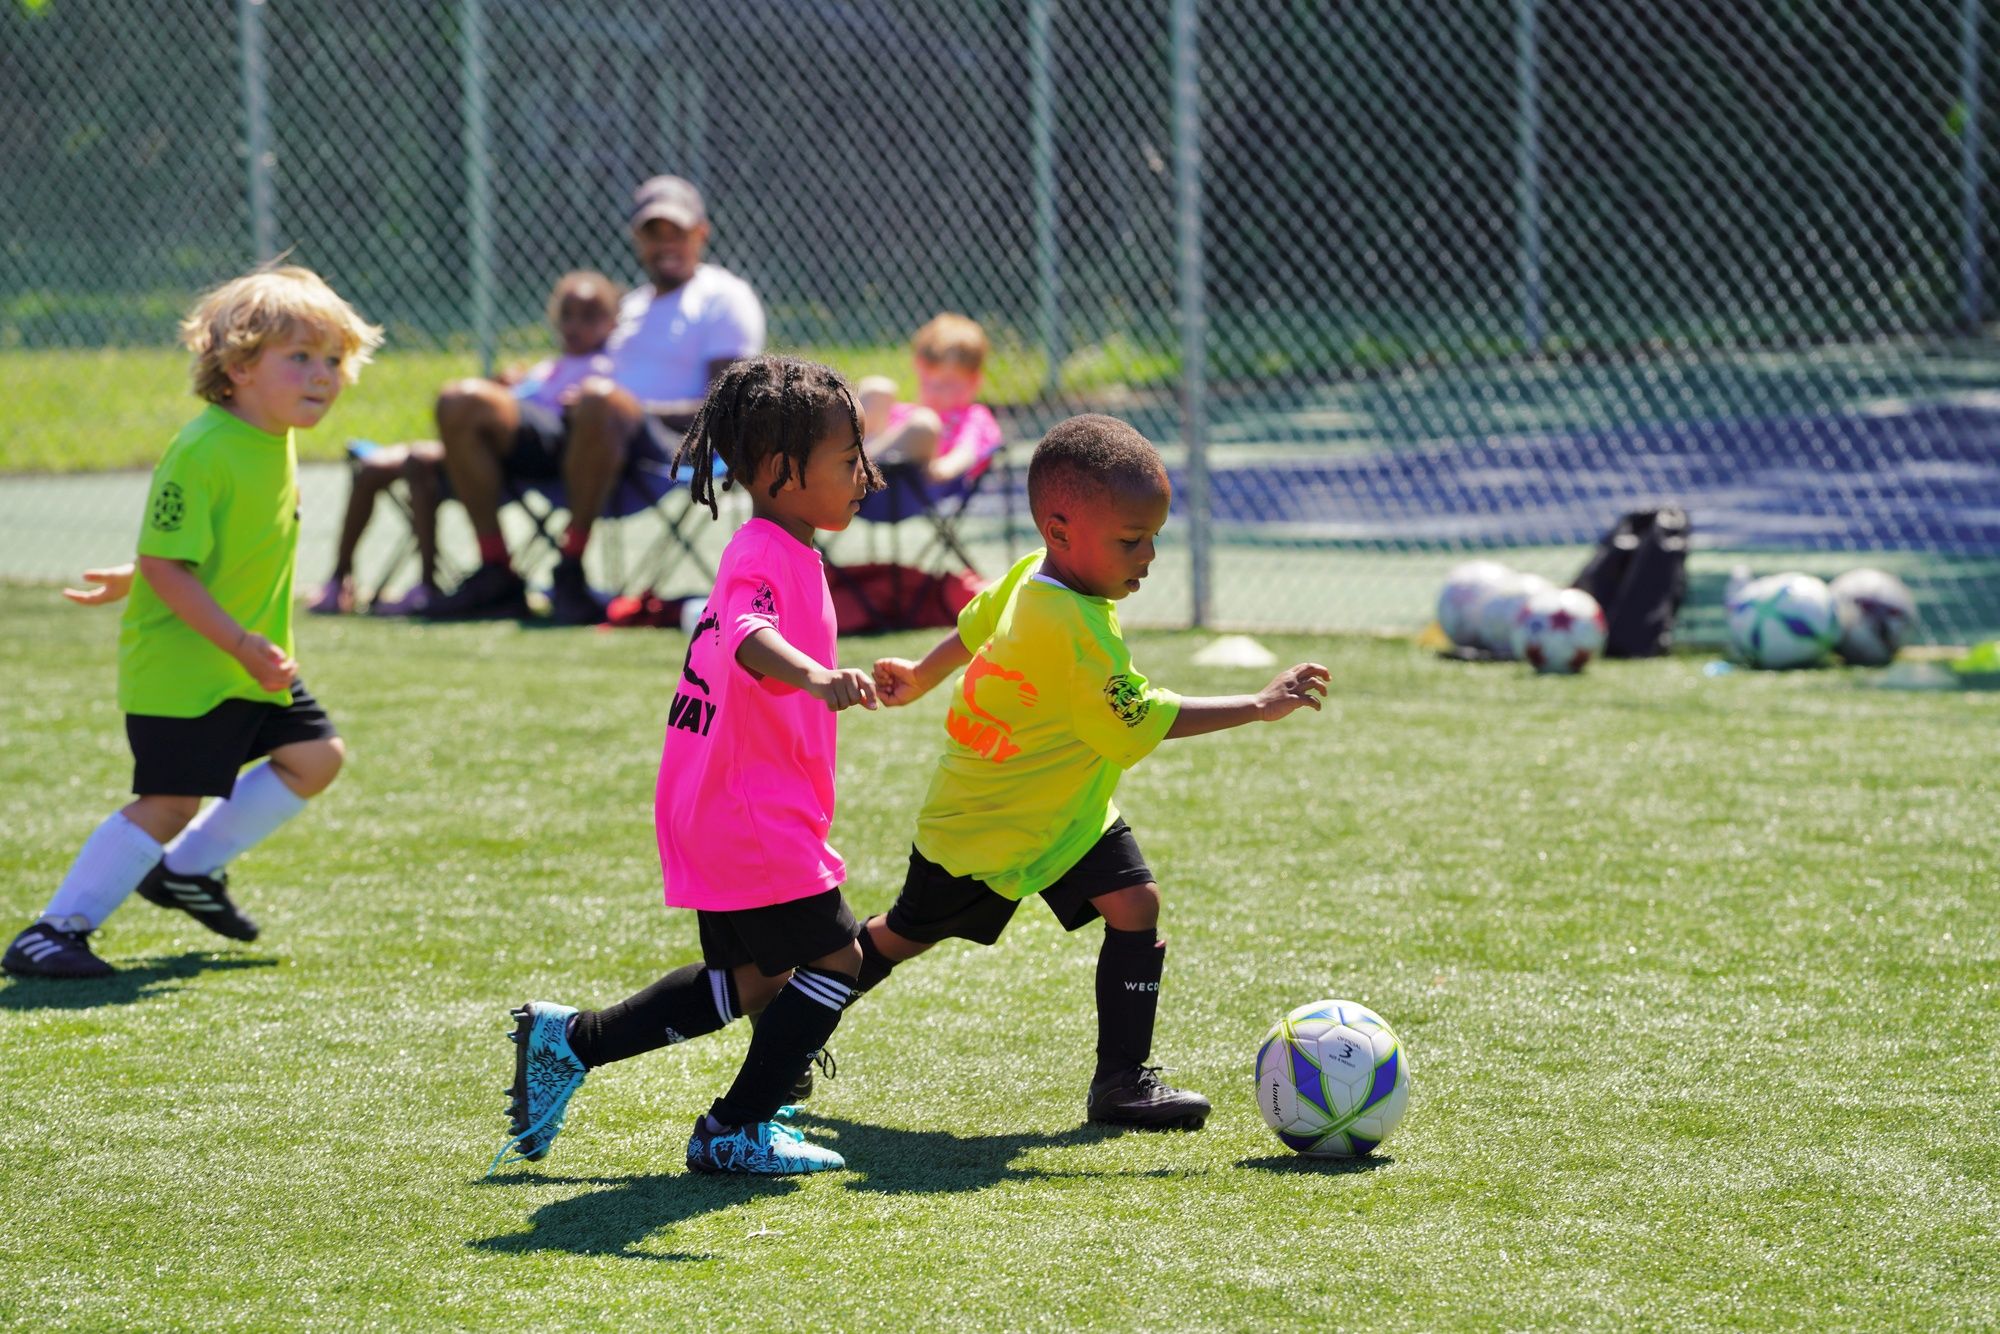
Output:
[[766, 1149], [546, 1074]]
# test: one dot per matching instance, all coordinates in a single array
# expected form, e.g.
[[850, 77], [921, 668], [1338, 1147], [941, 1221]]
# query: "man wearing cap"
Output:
[[675, 334]]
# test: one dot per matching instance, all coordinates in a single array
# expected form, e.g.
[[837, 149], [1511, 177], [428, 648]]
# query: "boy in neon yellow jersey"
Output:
[[1047, 713], [205, 670]]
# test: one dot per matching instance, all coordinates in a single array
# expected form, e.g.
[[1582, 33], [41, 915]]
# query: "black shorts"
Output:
[[779, 937], [543, 432], [199, 757], [937, 905]]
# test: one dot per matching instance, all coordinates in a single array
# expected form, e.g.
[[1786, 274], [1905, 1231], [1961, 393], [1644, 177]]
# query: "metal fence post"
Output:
[[1971, 260], [257, 130], [1041, 102], [1528, 169], [1193, 309], [478, 179]]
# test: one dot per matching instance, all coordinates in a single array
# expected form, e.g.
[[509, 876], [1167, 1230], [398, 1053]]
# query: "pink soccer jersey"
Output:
[[745, 796]]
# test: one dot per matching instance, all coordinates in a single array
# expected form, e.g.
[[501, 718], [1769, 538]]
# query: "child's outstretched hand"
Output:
[[269, 666], [109, 586], [896, 681], [842, 688], [1293, 689]]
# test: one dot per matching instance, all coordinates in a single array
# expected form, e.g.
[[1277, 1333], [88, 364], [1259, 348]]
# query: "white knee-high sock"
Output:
[[112, 862], [259, 803]]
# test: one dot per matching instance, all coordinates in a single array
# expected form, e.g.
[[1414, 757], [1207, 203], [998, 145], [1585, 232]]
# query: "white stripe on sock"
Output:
[[819, 987], [718, 985]]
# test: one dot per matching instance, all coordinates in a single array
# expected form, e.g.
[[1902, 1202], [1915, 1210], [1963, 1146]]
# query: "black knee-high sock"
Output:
[[686, 1003], [875, 965], [794, 1025], [1128, 997]]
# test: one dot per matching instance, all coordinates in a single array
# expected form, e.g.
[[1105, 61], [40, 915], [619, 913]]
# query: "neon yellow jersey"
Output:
[[1047, 715], [224, 499]]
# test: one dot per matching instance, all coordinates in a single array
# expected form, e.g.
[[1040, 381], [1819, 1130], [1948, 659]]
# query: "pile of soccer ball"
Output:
[[1504, 613], [1332, 1080], [1795, 620]]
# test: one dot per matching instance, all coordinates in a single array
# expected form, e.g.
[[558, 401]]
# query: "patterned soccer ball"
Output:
[[1465, 588], [1783, 620], [1876, 614], [1497, 612], [1559, 631], [1332, 1080]]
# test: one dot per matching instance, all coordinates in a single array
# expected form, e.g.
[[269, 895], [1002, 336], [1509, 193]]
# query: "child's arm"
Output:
[[900, 681], [188, 598], [1291, 690], [111, 584], [768, 653]]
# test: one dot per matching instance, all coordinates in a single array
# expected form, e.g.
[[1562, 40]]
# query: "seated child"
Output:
[[1047, 714], [206, 676], [583, 310], [746, 790], [944, 432]]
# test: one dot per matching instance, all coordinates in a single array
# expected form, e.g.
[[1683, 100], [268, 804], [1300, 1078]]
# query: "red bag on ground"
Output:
[[868, 599]]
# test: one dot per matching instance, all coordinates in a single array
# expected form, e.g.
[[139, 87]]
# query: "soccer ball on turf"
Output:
[[1876, 613], [1783, 620], [1465, 588], [1332, 1080], [1559, 631], [1497, 612]]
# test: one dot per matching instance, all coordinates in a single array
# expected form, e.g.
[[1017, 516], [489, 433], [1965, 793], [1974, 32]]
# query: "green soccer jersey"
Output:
[[1047, 715], [224, 499]]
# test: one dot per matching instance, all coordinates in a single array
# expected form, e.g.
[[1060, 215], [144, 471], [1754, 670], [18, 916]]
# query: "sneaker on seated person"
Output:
[[493, 592]]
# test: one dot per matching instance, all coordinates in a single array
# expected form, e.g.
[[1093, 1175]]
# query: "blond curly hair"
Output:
[[231, 325]]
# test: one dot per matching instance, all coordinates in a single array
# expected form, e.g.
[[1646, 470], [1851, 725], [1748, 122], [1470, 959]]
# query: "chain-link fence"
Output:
[[1389, 283]]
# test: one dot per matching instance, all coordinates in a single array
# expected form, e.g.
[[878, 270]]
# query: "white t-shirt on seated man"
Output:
[[666, 343]]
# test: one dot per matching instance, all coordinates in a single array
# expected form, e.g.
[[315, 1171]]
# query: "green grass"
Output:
[[90, 410], [1697, 975]]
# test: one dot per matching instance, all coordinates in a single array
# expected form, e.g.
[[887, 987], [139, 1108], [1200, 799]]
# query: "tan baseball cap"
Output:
[[671, 198]]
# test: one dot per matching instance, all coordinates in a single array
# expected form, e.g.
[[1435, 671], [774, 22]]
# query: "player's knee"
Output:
[[1133, 908], [309, 767], [846, 962]]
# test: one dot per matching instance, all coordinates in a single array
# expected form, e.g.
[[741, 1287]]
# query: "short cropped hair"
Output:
[[1083, 458], [951, 340], [232, 324], [584, 285]]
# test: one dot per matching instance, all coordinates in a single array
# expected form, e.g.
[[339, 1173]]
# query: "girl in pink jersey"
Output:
[[745, 795]]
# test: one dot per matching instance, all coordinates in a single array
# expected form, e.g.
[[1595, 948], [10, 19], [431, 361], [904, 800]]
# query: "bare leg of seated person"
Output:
[[477, 420], [602, 423]]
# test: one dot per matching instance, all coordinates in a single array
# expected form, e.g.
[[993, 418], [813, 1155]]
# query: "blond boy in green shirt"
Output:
[[206, 675], [1046, 715]]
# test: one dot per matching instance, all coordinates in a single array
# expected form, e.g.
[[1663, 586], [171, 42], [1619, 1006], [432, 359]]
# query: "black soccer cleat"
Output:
[[572, 601], [1139, 1098], [202, 897], [45, 950], [803, 1089]]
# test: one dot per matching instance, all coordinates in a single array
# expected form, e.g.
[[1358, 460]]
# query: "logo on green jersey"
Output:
[[169, 508], [1126, 700]]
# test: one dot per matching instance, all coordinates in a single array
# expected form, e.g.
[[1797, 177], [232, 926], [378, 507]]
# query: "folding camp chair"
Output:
[[647, 486], [404, 551], [943, 507]]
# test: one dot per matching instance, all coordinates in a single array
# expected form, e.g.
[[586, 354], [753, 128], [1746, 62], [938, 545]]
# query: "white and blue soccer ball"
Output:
[[1876, 613], [1465, 590], [1783, 620], [1559, 631], [1332, 1080]]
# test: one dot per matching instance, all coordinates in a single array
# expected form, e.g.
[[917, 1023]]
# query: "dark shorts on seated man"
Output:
[[543, 434]]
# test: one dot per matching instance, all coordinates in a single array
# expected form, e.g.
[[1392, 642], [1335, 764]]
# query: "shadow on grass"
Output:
[[132, 982], [1298, 1164], [615, 1219]]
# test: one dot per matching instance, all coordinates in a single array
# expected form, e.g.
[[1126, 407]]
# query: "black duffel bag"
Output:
[[1638, 574]]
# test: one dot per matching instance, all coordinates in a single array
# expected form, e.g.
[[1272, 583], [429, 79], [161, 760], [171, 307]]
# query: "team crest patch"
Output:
[[1126, 701], [169, 508], [766, 602]]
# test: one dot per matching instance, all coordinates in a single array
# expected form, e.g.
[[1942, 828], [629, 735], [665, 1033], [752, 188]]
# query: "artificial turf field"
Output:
[[1696, 974]]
